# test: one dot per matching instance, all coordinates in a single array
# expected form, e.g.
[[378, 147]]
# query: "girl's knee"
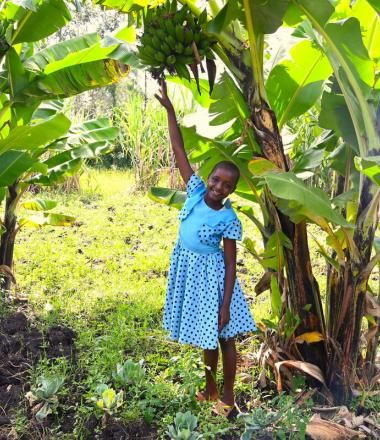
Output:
[[226, 342]]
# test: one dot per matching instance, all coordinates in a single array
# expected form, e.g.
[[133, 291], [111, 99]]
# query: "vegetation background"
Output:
[[103, 279]]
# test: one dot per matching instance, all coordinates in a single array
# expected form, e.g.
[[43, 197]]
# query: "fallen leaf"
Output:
[[308, 368], [319, 429]]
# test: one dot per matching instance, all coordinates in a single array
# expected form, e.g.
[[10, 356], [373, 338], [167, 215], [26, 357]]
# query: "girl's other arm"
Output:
[[175, 135], [229, 246]]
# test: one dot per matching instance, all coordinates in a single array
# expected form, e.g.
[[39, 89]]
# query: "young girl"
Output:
[[204, 302]]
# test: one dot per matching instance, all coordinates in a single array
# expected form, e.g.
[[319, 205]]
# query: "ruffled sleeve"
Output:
[[194, 185], [233, 230], [195, 189]]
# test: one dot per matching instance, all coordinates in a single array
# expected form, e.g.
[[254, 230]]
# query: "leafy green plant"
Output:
[[184, 427], [129, 373], [187, 370], [43, 397], [286, 420], [257, 422], [109, 400]]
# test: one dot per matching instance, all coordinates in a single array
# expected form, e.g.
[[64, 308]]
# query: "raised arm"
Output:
[[175, 134]]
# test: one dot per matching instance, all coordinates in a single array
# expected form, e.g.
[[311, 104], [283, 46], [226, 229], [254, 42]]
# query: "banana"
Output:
[[170, 37], [161, 34], [151, 61], [182, 59], [171, 60], [159, 56], [156, 43], [188, 36], [179, 33], [170, 29], [165, 48], [179, 48], [146, 39], [171, 42], [188, 51], [149, 51]]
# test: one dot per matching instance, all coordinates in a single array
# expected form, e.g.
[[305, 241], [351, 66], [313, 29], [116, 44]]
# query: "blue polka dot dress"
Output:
[[196, 276]]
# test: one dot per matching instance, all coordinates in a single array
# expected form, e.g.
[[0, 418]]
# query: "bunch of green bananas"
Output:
[[173, 39]]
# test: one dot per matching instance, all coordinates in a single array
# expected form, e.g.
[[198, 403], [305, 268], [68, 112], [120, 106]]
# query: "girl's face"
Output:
[[220, 184]]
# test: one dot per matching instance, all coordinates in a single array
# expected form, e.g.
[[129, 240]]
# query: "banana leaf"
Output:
[[32, 136], [71, 80], [370, 166], [301, 202], [12, 164], [47, 219], [35, 20], [59, 51], [38, 204], [126, 5], [294, 85], [229, 106], [167, 196]]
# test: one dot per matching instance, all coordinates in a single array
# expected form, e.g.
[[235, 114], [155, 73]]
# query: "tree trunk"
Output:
[[8, 238], [346, 294], [303, 290]]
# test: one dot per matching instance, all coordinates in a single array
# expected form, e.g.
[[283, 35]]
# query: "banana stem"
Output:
[[256, 47]]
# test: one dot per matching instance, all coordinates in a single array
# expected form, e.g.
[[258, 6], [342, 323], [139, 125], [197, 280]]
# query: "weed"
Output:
[[285, 420]]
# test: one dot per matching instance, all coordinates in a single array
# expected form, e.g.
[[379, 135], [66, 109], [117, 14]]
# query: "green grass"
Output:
[[105, 277]]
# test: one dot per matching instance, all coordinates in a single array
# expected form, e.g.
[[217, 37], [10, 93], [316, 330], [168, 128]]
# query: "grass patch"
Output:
[[105, 277]]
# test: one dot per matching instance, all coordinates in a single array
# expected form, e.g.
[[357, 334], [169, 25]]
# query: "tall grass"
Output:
[[143, 138]]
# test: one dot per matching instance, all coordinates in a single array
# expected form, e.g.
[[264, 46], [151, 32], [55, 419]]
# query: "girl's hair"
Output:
[[229, 166]]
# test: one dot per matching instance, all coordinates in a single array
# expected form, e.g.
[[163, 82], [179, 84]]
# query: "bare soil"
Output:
[[21, 346]]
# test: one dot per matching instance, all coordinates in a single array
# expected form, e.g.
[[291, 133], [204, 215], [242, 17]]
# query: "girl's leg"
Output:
[[229, 369], [211, 361]]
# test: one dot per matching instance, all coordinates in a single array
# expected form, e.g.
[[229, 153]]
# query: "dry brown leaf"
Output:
[[263, 283], [375, 380], [262, 379], [357, 421], [319, 429], [371, 306], [370, 334], [310, 369]]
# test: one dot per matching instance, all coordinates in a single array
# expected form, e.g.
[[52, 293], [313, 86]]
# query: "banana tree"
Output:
[[37, 143], [336, 54], [45, 165]]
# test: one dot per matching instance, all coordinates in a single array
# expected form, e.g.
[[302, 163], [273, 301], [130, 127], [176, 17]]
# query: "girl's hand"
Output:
[[163, 99], [224, 317]]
